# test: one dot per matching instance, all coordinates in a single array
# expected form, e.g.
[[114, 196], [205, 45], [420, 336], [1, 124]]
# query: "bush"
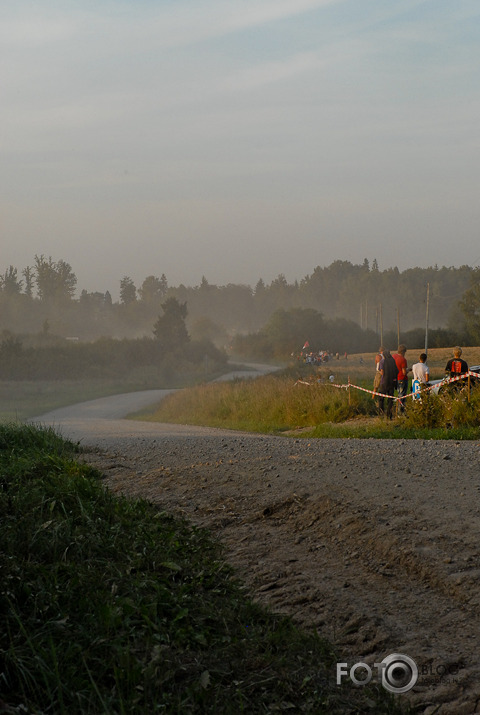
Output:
[[104, 358], [449, 409]]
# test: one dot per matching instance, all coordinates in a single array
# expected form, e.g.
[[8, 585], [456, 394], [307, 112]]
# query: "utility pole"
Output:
[[398, 326], [426, 319], [381, 325]]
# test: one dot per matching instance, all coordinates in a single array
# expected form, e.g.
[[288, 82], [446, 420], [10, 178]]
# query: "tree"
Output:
[[152, 289], [470, 308], [288, 330], [128, 292], [29, 275], [259, 288], [55, 280], [9, 283], [170, 328]]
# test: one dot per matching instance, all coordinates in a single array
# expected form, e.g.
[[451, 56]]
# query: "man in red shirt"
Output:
[[402, 377]]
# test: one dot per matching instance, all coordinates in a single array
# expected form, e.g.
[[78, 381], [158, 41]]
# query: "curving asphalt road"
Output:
[[101, 422]]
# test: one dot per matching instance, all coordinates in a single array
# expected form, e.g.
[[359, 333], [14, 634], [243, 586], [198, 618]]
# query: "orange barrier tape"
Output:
[[445, 381]]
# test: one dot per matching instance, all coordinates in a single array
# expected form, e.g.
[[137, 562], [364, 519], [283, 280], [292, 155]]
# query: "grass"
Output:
[[109, 605], [285, 404], [267, 404], [379, 429]]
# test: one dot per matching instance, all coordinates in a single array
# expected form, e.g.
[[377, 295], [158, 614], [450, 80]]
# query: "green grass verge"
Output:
[[379, 429], [109, 605]]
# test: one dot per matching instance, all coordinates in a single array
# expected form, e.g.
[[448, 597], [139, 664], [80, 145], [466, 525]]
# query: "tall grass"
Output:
[[109, 605], [453, 408], [267, 404]]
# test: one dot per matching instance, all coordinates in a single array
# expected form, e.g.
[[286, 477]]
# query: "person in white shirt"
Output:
[[420, 370]]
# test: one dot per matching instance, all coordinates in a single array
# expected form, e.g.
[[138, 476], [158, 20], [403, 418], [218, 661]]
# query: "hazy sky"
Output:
[[238, 139]]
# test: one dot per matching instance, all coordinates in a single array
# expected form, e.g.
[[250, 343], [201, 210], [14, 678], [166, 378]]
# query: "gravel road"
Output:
[[372, 542]]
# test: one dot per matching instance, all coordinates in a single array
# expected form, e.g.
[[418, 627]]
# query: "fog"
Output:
[[238, 140]]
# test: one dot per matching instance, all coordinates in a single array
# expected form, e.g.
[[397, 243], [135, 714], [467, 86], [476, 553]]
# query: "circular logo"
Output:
[[399, 673]]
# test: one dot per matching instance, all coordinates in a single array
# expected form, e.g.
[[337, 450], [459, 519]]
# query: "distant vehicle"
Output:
[[441, 385]]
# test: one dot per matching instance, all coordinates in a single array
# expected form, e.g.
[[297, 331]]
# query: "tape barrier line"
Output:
[[445, 381]]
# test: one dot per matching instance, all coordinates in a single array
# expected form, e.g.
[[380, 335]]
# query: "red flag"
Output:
[[307, 345]]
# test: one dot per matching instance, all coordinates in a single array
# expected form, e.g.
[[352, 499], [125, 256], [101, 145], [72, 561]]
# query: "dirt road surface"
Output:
[[374, 543]]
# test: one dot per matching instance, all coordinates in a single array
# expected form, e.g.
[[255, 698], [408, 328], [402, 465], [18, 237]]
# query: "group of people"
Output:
[[316, 358], [391, 373]]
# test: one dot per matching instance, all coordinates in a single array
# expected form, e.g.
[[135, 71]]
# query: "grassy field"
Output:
[[284, 403], [109, 605]]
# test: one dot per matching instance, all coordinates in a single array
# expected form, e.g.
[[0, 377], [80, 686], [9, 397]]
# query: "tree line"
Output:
[[44, 299], [167, 356]]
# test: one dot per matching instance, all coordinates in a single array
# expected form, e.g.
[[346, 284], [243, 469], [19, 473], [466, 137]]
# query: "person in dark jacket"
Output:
[[389, 371]]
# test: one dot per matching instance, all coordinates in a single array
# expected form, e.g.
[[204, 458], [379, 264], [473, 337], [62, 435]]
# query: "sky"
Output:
[[238, 139]]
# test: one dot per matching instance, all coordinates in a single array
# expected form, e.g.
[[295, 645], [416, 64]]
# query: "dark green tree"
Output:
[[152, 289], [55, 279], [9, 283], [170, 328], [128, 292], [29, 275]]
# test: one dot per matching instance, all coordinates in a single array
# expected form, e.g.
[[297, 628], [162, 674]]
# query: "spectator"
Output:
[[456, 366], [378, 374], [388, 383], [421, 375], [402, 377]]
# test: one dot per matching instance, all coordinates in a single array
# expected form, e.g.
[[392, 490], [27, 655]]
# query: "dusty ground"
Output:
[[372, 542]]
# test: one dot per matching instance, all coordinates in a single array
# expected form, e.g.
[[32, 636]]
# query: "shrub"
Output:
[[449, 409]]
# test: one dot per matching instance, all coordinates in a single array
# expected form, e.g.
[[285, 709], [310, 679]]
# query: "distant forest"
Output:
[[45, 299]]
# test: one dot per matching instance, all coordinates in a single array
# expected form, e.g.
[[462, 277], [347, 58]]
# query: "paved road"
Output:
[[102, 421]]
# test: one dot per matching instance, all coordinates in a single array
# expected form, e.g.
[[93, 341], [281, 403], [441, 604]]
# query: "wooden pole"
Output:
[[426, 319]]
